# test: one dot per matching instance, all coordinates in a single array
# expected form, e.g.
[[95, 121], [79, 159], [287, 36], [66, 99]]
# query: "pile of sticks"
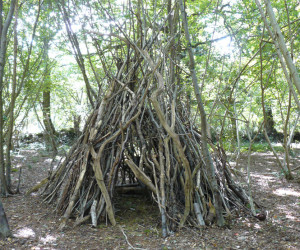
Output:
[[142, 130], [139, 135]]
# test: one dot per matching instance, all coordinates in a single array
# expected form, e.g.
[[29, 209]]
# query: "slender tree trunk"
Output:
[[49, 127], [46, 105], [233, 120], [269, 122], [12, 103], [205, 151], [287, 121], [248, 172], [92, 95], [76, 122], [4, 227], [282, 46], [287, 173], [286, 147], [3, 46], [238, 149]]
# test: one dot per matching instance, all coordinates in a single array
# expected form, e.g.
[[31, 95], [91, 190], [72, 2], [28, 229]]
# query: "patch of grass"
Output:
[[261, 147], [256, 147], [151, 231], [102, 226]]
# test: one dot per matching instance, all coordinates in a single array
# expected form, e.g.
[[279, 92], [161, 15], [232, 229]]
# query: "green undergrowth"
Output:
[[260, 147]]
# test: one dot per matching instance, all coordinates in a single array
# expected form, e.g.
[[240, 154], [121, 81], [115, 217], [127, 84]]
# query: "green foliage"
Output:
[[230, 77], [261, 147]]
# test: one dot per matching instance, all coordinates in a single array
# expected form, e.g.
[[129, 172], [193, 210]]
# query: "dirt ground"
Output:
[[35, 225]]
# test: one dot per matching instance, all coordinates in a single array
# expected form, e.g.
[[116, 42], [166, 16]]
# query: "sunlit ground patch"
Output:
[[257, 226], [24, 232], [287, 213], [48, 239], [263, 180], [286, 191], [291, 217], [48, 160]]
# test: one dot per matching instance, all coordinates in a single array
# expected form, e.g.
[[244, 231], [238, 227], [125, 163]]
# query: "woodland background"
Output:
[[216, 80]]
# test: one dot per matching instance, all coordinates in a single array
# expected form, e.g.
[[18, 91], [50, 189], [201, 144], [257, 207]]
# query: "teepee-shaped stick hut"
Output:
[[141, 131]]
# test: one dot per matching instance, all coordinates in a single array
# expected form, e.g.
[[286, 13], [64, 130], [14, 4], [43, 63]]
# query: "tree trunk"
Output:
[[46, 105], [11, 123], [206, 154], [49, 127], [282, 46], [4, 227], [92, 95], [269, 122], [76, 122], [3, 46]]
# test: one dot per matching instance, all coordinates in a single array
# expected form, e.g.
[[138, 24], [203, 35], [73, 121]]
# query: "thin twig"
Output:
[[126, 238]]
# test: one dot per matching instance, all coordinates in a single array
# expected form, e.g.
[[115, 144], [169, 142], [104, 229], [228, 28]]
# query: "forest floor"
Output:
[[35, 225]]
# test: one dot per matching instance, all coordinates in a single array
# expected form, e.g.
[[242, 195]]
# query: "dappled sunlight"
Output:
[[286, 191], [16, 166], [232, 163], [268, 156], [48, 160], [33, 146], [25, 232], [291, 217], [263, 177], [267, 161], [48, 239], [263, 180], [289, 213], [295, 145], [57, 160], [19, 156], [257, 226]]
